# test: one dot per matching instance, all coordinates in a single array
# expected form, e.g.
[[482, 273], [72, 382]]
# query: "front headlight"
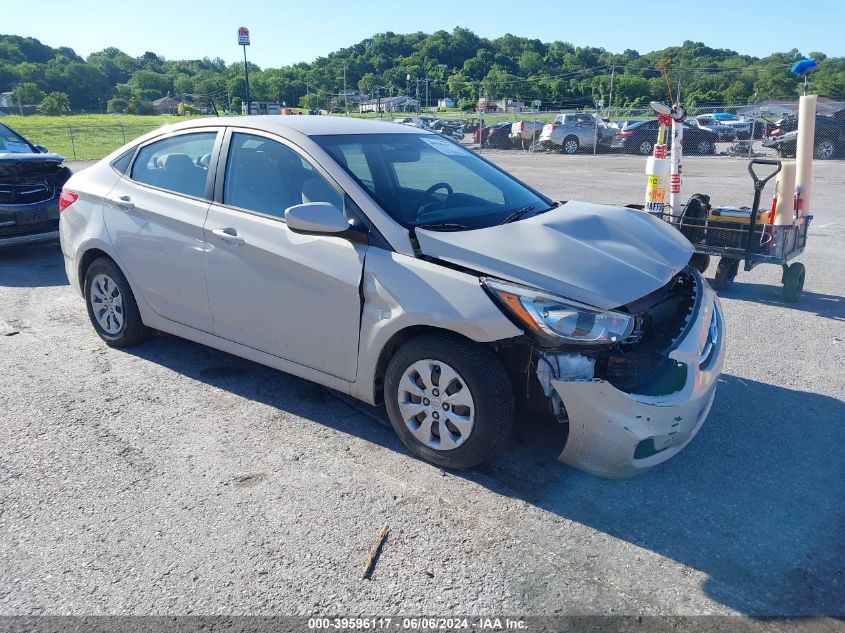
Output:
[[559, 320]]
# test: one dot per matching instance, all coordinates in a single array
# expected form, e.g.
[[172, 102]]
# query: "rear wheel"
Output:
[[704, 147], [449, 400], [644, 148], [111, 305], [793, 282], [570, 145]]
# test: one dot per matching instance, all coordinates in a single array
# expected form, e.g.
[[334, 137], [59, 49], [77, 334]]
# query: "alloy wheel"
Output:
[[825, 150]]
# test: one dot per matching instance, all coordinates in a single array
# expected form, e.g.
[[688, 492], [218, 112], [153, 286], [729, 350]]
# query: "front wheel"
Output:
[[725, 273], [704, 147], [793, 282], [111, 305], [824, 149], [449, 400]]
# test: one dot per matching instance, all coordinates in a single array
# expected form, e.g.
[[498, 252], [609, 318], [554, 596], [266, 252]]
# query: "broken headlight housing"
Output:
[[555, 320]]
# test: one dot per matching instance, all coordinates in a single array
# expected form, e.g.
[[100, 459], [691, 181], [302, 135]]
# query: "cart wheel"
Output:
[[725, 273], [700, 262], [793, 282]]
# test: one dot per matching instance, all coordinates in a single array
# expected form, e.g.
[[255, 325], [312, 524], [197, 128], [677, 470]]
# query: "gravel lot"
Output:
[[172, 478]]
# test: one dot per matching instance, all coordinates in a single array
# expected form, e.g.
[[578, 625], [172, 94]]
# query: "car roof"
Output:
[[309, 125]]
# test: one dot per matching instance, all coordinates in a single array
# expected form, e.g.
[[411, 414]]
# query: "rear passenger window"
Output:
[[178, 164], [268, 177]]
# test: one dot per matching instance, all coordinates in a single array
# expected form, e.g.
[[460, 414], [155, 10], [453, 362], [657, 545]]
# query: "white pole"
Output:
[[804, 151], [676, 164]]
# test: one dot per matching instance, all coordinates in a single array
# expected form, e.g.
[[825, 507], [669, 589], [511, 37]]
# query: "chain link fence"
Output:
[[739, 131], [763, 130], [79, 141]]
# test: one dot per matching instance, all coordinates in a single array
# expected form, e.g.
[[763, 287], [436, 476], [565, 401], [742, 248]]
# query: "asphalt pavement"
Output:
[[175, 479]]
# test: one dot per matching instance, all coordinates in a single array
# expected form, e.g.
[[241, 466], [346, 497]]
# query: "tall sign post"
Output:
[[243, 40]]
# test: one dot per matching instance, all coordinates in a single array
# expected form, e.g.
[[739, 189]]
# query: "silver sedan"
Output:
[[392, 264]]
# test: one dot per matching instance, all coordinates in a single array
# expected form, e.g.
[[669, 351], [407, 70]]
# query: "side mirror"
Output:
[[42, 149], [316, 218]]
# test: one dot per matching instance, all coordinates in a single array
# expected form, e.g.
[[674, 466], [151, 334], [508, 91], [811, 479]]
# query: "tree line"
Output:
[[459, 64]]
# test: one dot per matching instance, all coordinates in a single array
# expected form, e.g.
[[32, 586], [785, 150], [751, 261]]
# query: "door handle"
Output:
[[228, 235], [122, 202]]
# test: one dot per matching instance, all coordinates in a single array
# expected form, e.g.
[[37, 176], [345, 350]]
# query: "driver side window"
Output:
[[267, 177]]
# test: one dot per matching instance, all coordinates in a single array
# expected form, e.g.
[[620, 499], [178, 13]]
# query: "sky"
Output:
[[285, 32]]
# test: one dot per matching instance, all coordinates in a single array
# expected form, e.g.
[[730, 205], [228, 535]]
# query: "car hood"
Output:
[[600, 255], [15, 164]]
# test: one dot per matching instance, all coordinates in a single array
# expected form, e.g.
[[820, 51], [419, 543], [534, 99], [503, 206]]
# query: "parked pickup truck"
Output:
[[573, 131], [525, 133]]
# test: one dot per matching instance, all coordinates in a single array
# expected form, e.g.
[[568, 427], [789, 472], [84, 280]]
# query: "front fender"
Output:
[[400, 292]]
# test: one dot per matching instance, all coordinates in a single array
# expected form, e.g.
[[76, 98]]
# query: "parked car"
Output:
[[31, 180], [723, 131], [495, 135], [451, 129], [394, 265], [524, 133], [571, 132], [414, 121], [639, 137], [741, 127], [829, 140]]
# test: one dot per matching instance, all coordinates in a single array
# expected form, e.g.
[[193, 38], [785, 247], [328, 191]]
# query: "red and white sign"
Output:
[[243, 36]]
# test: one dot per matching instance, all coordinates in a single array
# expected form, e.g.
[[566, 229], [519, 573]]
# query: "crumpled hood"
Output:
[[600, 255], [17, 164]]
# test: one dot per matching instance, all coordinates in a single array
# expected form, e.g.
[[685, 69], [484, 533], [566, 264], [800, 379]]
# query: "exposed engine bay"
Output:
[[640, 364]]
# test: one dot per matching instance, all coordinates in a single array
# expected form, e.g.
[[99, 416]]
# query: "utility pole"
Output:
[[18, 95], [612, 75], [243, 40], [345, 102]]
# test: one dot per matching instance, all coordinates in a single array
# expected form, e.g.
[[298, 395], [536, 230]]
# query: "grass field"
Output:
[[85, 136], [92, 136]]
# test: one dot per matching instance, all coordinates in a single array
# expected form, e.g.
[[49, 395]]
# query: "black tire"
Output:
[[570, 145], [132, 330], [793, 282], [644, 148], [488, 384], [700, 262], [725, 273]]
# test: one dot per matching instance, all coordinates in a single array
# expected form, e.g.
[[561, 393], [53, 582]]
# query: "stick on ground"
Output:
[[372, 555]]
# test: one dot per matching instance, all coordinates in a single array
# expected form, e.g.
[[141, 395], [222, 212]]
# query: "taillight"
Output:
[[624, 133], [518, 127], [66, 199]]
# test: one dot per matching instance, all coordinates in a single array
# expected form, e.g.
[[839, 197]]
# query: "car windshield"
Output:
[[425, 180], [12, 142]]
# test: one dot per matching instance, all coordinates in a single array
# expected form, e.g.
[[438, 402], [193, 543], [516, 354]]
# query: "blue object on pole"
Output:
[[804, 66]]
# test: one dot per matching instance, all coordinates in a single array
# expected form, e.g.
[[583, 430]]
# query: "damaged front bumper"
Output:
[[616, 434]]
